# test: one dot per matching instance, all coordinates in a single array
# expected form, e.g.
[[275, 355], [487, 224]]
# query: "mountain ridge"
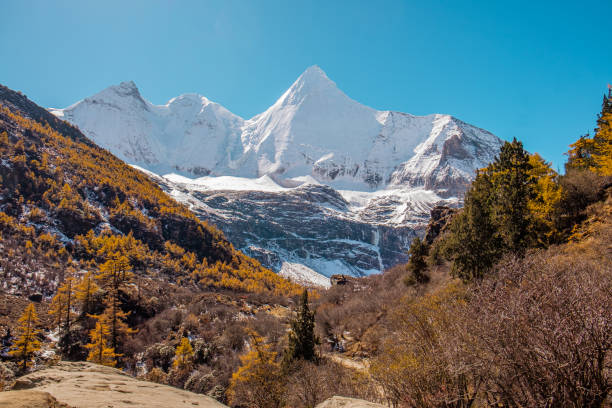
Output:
[[383, 170], [314, 129]]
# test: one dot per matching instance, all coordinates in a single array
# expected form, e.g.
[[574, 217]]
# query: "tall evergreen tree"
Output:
[[473, 244], [302, 339], [417, 263], [513, 187]]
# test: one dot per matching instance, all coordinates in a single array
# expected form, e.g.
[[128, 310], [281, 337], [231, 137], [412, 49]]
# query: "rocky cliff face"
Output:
[[311, 230], [317, 182], [439, 221]]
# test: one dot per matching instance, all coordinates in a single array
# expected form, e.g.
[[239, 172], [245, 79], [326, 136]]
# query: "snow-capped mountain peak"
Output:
[[312, 83], [317, 180], [313, 130], [125, 91]]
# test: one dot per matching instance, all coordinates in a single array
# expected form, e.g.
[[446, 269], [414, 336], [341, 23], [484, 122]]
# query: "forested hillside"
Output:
[[507, 302], [116, 269], [65, 200]]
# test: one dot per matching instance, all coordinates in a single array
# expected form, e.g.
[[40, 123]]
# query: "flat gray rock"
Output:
[[87, 385]]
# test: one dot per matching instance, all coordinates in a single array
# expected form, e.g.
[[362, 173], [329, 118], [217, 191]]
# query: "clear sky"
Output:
[[535, 70]]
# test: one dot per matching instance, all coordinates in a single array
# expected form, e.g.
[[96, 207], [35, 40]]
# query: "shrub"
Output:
[[157, 375], [159, 355], [310, 384], [200, 381]]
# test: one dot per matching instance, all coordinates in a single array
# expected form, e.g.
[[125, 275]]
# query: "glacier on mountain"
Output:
[[363, 170]]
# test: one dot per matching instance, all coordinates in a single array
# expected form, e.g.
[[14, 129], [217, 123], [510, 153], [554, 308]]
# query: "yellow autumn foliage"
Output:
[[27, 343], [99, 350]]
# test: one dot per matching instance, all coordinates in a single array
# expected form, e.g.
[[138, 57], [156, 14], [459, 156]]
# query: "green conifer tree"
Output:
[[302, 339], [595, 153], [417, 263], [473, 244], [513, 187]]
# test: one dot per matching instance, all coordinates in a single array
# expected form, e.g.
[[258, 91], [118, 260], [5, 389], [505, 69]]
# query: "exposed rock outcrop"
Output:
[[310, 225], [29, 399], [439, 221]]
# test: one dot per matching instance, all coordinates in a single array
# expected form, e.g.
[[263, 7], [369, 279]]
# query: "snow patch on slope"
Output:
[[303, 275], [221, 183]]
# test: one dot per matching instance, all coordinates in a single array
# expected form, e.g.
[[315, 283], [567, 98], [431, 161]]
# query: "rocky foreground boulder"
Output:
[[86, 385], [29, 399]]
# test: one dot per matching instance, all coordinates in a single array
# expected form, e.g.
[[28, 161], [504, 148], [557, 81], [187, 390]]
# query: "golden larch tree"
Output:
[[183, 355], [85, 291], [27, 343], [114, 275], [62, 303], [99, 350], [603, 144], [543, 204], [258, 381], [115, 318], [595, 153]]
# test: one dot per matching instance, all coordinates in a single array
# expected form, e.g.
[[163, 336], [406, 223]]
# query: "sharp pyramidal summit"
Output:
[[318, 184]]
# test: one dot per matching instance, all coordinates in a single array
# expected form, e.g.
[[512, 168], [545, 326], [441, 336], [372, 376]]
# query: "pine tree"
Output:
[[258, 381], [99, 350], [302, 339], [183, 355], [62, 302], [602, 139], [417, 263], [27, 343], [513, 188], [595, 153], [84, 292], [472, 243]]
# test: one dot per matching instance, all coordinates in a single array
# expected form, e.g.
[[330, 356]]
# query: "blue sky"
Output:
[[535, 70]]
